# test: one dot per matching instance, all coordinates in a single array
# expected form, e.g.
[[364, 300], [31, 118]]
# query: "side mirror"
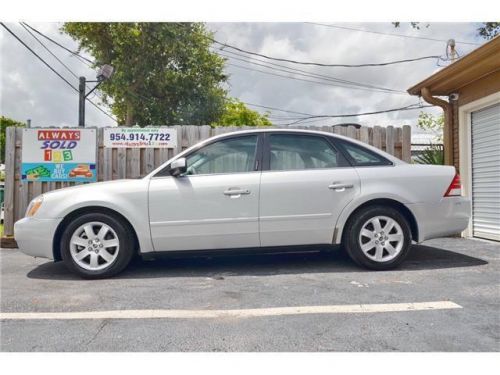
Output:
[[178, 167]]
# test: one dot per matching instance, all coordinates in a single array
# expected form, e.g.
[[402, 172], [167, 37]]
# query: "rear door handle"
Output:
[[339, 186], [236, 191]]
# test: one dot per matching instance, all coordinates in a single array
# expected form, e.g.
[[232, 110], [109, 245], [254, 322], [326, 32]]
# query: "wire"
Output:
[[48, 50], [406, 108], [59, 60], [326, 77], [309, 62], [76, 54], [389, 34], [53, 70], [277, 109], [341, 82], [323, 64], [308, 80], [38, 56], [310, 118]]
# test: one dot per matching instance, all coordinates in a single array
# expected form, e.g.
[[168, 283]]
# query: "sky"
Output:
[[29, 90]]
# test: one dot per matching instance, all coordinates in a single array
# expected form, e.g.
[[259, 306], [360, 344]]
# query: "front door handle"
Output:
[[236, 191], [339, 186]]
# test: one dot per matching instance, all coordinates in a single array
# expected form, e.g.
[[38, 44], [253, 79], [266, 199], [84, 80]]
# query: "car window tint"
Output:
[[292, 152], [362, 156], [232, 155]]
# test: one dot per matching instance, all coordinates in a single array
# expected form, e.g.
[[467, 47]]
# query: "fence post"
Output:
[[389, 140], [406, 143], [10, 158]]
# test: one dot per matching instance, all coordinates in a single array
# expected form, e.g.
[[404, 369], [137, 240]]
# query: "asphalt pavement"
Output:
[[229, 303]]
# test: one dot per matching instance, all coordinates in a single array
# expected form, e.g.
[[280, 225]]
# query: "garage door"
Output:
[[486, 173]]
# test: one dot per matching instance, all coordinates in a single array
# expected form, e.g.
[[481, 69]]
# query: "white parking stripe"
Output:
[[243, 313]]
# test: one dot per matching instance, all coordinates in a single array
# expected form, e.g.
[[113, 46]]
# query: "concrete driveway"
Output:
[[444, 298]]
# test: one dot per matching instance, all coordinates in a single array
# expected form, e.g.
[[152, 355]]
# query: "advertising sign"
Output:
[[59, 155], [140, 137]]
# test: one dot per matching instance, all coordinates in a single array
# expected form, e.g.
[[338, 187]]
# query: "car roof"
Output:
[[307, 131]]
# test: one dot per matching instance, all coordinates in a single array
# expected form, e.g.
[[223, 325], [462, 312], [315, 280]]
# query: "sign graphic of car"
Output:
[[81, 170]]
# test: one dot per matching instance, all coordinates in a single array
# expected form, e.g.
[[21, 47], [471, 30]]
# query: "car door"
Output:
[[214, 205], [305, 184]]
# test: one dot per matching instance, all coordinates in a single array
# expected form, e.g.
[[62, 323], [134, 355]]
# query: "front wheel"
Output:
[[377, 237], [97, 245]]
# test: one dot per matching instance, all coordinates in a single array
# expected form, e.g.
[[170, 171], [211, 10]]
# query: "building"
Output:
[[472, 130]]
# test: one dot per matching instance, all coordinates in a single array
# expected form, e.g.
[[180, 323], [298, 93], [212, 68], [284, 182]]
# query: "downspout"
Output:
[[448, 120]]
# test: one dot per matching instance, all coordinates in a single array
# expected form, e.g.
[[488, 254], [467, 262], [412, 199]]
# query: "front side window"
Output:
[[360, 156], [295, 152], [234, 155]]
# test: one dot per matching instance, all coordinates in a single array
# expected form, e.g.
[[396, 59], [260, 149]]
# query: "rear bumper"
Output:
[[449, 216], [35, 236]]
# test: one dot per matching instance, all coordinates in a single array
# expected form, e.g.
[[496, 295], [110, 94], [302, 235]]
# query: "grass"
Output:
[[1, 230]]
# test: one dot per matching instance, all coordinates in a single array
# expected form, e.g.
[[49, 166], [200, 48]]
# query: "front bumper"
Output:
[[449, 216], [35, 236]]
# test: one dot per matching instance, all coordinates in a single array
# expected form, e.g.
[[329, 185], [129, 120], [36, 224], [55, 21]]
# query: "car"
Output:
[[82, 170], [253, 190]]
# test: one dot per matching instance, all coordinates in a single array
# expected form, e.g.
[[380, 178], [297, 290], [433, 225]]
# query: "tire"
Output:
[[107, 252], [369, 245]]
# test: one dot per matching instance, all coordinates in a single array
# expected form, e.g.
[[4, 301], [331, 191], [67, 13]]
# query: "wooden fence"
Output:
[[117, 163]]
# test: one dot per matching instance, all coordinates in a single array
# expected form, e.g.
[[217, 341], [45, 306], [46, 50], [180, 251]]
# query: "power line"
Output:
[[76, 54], [323, 76], [38, 56], [53, 70], [307, 117], [23, 24], [277, 109], [311, 81], [310, 62], [389, 34], [48, 50], [323, 64], [406, 108], [340, 82]]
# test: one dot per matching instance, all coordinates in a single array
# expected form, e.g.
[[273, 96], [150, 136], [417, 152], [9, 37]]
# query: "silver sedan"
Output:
[[257, 189]]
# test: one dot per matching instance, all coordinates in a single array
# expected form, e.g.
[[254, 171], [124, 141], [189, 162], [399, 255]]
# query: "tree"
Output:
[[237, 113], [164, 72], [487, 30], [4, 123], [434, 124]]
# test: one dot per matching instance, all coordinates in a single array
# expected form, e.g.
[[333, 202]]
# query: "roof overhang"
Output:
[[473, 66]]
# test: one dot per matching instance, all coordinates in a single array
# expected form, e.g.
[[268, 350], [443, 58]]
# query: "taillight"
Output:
[[455, 188]]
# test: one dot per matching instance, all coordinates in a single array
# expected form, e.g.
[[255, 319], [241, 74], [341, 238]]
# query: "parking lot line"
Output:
[[240, 313]]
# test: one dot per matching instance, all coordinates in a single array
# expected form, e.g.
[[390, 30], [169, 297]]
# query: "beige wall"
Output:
[[481, 88]]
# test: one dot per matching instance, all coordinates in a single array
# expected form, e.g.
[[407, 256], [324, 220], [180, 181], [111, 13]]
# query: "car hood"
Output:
[[115, 185], [112, 194]]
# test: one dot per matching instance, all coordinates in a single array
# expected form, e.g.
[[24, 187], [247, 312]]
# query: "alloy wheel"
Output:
[[94, 246], [381, 238]]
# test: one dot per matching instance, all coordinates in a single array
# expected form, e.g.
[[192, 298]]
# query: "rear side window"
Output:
[[361, 156], [295, 152]]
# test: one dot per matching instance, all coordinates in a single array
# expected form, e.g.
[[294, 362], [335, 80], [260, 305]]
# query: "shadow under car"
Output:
[[217, 264]]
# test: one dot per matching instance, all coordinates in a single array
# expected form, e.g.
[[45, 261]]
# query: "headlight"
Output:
[[34, 205]]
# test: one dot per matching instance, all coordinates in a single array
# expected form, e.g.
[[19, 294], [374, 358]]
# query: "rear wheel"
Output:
[[377, 237], [97, 245]]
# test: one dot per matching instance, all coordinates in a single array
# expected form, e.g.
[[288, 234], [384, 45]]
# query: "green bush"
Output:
[[434, 154]]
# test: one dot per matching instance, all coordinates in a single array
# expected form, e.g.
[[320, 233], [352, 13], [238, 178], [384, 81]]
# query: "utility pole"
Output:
[[81, 102], [103, 74]]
